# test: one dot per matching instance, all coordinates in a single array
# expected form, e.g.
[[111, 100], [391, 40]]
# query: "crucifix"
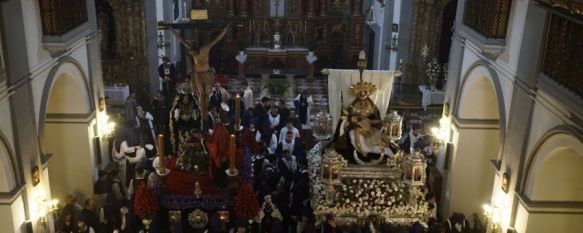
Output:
[[202, 76]]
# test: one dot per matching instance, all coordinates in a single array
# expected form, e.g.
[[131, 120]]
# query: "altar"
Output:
[[430, 97], [268, 58], [272, 74], [117, 95]]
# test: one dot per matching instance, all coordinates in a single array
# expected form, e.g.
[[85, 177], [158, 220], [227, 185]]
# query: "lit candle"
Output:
[[161, 152], [237, 111], [232, 152]]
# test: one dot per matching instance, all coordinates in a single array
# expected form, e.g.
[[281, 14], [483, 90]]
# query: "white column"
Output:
[[393, 57]]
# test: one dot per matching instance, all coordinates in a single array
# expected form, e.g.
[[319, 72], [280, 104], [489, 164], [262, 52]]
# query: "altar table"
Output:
[[430, 97], [289, 78], [117, 95]]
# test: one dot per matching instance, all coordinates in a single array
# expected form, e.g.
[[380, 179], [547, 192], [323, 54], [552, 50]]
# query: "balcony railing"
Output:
[[61, 16], [562, 61], [570, 7], [488, 17]]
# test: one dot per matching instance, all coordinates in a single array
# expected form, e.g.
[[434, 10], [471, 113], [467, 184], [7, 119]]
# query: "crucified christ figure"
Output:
[[202, 77]]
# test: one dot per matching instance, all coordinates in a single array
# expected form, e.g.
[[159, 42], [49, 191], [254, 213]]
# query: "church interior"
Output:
[[280, 116]]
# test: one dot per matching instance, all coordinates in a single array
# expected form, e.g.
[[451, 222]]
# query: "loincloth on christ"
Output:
[[203, 81]]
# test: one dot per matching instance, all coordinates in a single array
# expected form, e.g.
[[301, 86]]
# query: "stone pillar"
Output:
[[310, 8], [229, 8], [323, 7], [291, 89], [356, 7], [243, 8]]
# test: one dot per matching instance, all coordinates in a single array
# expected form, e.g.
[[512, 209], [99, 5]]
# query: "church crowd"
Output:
[[271, 135]]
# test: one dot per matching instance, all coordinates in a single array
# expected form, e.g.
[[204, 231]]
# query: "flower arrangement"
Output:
[[433, 71], [314, 169], [246, 204]]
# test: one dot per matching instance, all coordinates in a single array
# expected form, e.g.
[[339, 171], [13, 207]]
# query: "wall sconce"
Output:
[[493, 215], [394, 43], [44, 208], [162, 44], [43, 218], [442, 132], [105, 126]]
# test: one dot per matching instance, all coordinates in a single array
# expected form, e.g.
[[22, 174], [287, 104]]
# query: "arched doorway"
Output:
[[66, 131], [7, 172], [554, 177], [477, 138]]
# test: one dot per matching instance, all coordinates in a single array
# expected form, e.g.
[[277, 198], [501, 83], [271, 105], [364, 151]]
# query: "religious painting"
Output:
[[395, 27], [505, 182], [417, 177], [446, 109], [326, 172], [35, 176]]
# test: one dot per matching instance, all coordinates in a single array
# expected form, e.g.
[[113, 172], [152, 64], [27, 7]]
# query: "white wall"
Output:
[[469, 182], [71, 168], [12, 216], [554, 222]]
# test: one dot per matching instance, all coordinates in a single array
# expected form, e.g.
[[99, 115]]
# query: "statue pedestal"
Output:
[[310, 74], [241, 71]]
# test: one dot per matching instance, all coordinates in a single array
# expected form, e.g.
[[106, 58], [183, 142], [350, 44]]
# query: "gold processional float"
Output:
[[383, 185]]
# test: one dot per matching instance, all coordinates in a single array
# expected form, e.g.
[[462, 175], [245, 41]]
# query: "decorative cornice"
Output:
[[9, 197], [78, 118], [544, 207], [489, 48], [570, 8], [476, 123], [59, 45]]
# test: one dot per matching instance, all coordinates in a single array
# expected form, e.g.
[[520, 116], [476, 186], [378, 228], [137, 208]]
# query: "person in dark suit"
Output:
[[212, 116], [261, 111], [168, 74]]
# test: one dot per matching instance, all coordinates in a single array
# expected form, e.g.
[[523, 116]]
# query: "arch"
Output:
[[481, 72], [8, 175], [66, 114], [555, 165], [69, 70], [478, 139]]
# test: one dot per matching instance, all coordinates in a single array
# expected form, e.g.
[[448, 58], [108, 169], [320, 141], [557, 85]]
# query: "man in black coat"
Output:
[[261, 111], [167, 72], [89, 213]]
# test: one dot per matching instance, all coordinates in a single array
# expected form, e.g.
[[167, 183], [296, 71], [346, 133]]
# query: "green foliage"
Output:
[[277, 87]]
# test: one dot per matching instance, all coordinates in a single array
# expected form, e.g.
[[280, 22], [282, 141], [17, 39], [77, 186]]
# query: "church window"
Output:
[[488, 17], [61, 16], [562, 60]]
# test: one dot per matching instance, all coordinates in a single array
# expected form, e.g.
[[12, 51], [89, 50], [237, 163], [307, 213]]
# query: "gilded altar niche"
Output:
[[431, 35], [332, 29], [123, 42]]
